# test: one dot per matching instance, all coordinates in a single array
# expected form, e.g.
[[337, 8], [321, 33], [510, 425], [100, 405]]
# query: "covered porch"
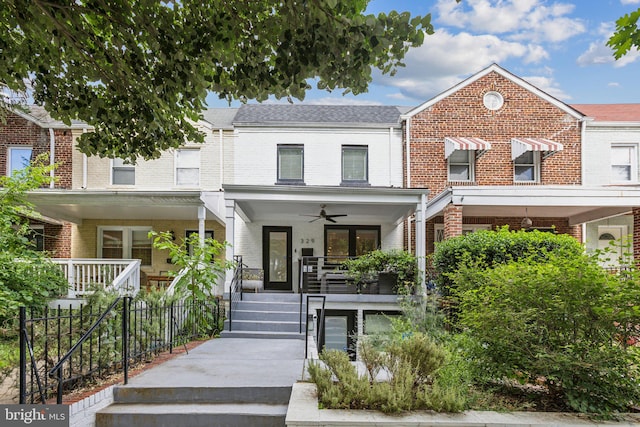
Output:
[[296, 234], [562, 209]]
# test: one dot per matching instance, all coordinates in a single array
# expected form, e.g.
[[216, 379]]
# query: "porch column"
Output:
[[421, 240], [452, 221], [636, 235], [202, 215], [229, 223]]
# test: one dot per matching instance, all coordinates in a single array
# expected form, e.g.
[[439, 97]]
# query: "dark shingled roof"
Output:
[[317, 114], [220, 118]]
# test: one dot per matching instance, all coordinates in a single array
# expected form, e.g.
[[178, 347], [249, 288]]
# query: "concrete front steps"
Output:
[[266, 315], [264, 406]]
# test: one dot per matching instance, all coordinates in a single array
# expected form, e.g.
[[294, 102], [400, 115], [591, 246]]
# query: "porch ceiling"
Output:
[[292, 203], [75, 206], [577, 203]]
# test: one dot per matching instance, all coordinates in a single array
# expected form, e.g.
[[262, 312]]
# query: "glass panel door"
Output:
[[277, 258]]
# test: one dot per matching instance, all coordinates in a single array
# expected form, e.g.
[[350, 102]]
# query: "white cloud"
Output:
[[516, 19], [613, 84], [444, 59], [630, 1], [548, 85], [599, 53]]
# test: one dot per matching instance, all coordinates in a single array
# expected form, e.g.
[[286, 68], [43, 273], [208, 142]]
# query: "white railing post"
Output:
[[71, 279]]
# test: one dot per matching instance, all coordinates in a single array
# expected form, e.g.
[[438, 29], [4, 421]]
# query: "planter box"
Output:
[[303, 411]]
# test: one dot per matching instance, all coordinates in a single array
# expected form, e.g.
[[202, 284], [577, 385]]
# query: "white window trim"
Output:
[[471, 160], [127, 166], [279, 169], [536, 168], [127, 238], [356, 147], [175, 167], [465, 227], [39, 228], [634, 164], [9, 155]]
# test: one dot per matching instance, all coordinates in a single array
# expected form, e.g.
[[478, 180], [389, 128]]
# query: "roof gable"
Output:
[[494, 68]]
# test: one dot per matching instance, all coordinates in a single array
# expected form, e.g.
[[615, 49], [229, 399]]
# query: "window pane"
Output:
[[378, 323], [278, 256], [525, 158], [366, 241], [188, 159], [354, 163], [621, 155], [459, 156], [621, 173], [124, 176], [524, 173], [20, 159], [337, 245], [36, 237], [112, 244], [187, 176], [290, 163], [459, 172], [335, 334]]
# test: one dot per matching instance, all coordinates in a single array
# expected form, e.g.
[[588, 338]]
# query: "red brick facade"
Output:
[[463, 114], [17, 131]]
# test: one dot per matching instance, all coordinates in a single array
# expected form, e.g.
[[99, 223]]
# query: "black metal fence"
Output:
[[64, 348]]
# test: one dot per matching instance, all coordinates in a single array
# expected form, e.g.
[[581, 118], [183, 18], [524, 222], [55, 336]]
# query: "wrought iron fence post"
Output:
[[23, 356], [125, 338], [60, 387], [171, 326]]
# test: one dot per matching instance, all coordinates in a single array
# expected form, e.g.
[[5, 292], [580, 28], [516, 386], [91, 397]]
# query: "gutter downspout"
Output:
[[221, 156], [52, 157], [423, 242], [408, 150], [583, 132], [85, 167]]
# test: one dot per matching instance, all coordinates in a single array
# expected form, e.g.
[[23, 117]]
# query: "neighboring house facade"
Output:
[[24, 135], [494, 150], [611, 152], [110, 206]]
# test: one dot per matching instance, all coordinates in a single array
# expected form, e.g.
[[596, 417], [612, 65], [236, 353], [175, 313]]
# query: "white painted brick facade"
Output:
[[255, 161], [83, 412], [597, 151]]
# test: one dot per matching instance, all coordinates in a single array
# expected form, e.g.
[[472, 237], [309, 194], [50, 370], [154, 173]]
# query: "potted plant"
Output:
[[389, 269]]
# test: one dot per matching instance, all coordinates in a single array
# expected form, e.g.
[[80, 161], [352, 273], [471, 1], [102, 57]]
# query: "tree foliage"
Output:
[[626, 36], [139, 71], [27, 277]]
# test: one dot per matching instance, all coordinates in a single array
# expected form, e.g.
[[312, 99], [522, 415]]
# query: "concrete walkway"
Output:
[[230, 362]]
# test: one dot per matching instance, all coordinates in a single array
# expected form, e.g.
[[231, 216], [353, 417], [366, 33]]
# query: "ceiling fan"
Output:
[[323, 215]]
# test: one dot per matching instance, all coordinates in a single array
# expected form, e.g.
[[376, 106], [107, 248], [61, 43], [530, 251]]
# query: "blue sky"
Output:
[[557, 45]]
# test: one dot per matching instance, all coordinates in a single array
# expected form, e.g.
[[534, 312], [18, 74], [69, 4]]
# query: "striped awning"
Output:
[[520, 146], [452, 144]]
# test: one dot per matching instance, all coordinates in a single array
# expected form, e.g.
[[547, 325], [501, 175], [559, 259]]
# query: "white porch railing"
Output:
[[85, 275]]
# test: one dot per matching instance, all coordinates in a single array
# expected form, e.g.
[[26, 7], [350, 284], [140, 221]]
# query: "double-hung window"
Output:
[[624, 163], [18, 158], [355, 167], [461, 165], [526, 167], [122, 173], [125, 243], [290, 164], [187, 162]]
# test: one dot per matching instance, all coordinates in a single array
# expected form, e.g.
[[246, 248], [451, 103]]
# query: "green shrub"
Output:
[[557, 322], [402, 263], [412, 364], [485, 248]]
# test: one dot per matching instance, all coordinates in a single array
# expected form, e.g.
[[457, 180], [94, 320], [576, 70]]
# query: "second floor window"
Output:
[[461, 165], [18, 158], [527, 167], [624, 163], [188, 167], [355, 164], [290, 164], [122, 173]]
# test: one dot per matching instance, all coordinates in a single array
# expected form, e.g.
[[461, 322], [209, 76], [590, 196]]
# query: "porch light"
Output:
[[526, 221]]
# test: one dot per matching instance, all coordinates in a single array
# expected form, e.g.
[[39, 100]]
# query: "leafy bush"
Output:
[[485, 248], [560, 321], [413, 366], [402, 263]]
